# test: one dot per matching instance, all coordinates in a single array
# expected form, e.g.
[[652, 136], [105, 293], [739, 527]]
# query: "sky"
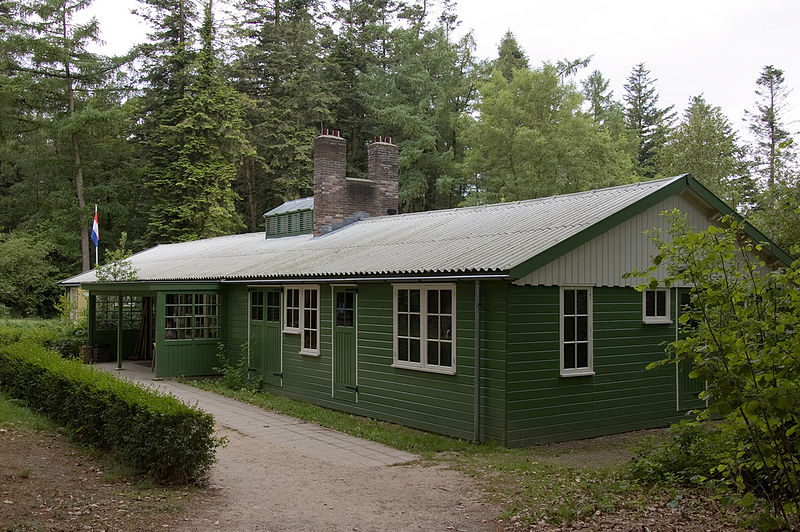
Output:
[[712, 47]]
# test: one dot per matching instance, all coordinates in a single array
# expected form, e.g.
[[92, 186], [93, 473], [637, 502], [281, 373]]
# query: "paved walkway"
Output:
[[305, 438]]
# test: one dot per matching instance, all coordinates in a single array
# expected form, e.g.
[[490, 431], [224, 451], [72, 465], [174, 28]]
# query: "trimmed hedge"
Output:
[[152, 432]]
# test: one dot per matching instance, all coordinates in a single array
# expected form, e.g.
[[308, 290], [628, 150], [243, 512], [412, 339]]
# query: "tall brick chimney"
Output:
[[340, 200]]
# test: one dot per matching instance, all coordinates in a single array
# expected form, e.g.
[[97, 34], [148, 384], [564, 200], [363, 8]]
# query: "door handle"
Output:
[[354, 388], [278, 374]]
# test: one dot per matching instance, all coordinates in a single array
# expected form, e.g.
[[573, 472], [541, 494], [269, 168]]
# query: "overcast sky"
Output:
[[713, 47]]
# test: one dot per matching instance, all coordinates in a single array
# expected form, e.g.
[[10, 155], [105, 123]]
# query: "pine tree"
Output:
[[430, 84], [510, 56], [201, 141], [359, 56], [773, 155], [47, 79], [645, 118], [704, 144], [280, 68]]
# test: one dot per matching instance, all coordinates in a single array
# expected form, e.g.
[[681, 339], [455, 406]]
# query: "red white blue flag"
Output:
[[95, 229]]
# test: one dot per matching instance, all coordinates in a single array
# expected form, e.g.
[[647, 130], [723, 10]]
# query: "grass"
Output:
[[13, 413], [555, 483]]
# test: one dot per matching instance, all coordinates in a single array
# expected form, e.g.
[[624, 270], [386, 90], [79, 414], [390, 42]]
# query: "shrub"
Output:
[[690, 455], [742, 338], [152, 432]]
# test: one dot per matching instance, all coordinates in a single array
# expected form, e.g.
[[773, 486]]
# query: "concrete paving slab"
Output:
[[277, 429]]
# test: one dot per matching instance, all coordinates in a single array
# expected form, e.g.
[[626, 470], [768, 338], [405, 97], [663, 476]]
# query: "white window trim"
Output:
[[422, 365], [286, 328], [576, 372], [656, 320], [301, 329]]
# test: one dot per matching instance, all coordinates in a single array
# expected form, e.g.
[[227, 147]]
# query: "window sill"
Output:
[[657, 321], [291, 331], [577, 373], [417, 367], [307, 353]]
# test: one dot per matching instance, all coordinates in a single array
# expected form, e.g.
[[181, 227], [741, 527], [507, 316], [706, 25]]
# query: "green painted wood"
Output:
[[622, 395], [689, 388], [344, 343], [175, 358]]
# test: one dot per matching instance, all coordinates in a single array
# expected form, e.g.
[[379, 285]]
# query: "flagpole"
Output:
[[97, 243]]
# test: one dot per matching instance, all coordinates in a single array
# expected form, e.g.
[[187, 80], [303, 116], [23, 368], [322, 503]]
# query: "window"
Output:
[[345, 309], [274, 306], [292, 321], [576, 332], [424, 329], [655, 306], [107, 313], [191, 316], [310, 321], [256, 305], [302, 316]]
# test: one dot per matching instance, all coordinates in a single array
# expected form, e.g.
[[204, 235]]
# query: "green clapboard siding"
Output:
[[621, 396], [429, 401]]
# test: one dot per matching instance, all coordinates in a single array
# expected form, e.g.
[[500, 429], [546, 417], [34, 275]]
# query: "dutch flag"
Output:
[[95, 229]]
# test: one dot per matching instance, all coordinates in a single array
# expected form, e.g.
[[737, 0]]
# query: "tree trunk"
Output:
[[82, 225]]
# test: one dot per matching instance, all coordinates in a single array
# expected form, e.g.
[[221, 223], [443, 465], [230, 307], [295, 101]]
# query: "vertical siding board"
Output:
[[603, 260]]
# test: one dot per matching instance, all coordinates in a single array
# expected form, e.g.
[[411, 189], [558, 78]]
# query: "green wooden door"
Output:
[[265, 335], [273, 367], [345, 380], [688, 387]]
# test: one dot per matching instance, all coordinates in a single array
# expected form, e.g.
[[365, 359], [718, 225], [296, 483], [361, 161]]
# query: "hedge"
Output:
[[152, 432]]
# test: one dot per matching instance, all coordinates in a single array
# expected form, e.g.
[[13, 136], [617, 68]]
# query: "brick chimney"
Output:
[[340, 200]]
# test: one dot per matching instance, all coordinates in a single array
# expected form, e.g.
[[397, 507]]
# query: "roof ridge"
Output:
[[664, 181]]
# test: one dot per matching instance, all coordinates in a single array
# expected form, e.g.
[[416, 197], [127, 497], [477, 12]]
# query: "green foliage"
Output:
[[70, 336], [532, 140], [27, 275], [770, 160], [236, 376], [149, 431], [116, 265], [195, 145], [690, 455], [645, 118], [510, 57], [745, 344], [705, 145]]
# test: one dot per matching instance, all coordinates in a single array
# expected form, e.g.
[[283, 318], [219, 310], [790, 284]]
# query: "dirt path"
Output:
[[259, 486]]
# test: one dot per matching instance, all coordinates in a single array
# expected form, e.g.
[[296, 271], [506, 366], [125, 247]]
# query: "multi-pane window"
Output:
[[191, 316], [301, 311], [345, 309], [292, 321], [310, 320], [655, 306], [424, 327], [576, 331], [107, 312], [256, 305], [274, 306]]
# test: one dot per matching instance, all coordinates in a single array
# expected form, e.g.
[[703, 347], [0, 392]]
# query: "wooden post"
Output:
[[119, 332]]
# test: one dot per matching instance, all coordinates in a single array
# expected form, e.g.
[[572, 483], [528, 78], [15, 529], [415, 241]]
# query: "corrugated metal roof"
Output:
[[488, 238], [302, 204]]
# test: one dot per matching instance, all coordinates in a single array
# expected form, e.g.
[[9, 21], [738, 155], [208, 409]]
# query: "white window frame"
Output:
[[286, 307], [666, 319], [423, 365], [301, 329], [583, 371]]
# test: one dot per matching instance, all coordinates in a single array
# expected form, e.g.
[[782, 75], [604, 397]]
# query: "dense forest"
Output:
[[201, 129]]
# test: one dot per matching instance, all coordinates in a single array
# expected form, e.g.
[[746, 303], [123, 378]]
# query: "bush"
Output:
[[152, 432], [690, 455]]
